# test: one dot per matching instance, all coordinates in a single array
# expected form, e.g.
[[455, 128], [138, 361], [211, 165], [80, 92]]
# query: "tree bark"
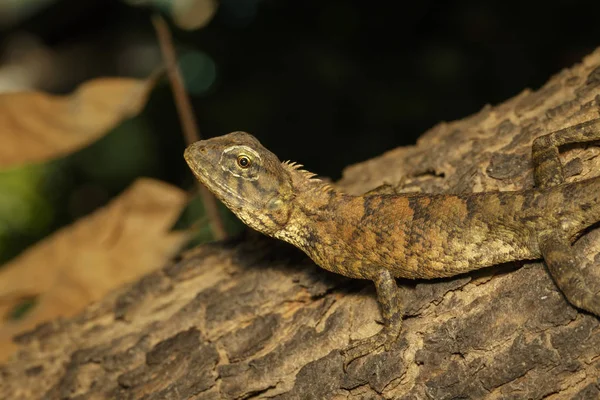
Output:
[[254, 318]]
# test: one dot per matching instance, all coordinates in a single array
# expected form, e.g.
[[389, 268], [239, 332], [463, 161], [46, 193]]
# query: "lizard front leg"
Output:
[[563, 263], [388, 297]]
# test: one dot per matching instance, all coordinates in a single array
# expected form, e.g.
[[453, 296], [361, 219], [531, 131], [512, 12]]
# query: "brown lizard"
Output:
[[382, 236]]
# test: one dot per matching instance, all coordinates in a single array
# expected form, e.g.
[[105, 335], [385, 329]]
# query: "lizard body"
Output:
[[434, 236], [385, 236]]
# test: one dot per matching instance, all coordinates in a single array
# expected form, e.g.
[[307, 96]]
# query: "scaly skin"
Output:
[[382, 236]]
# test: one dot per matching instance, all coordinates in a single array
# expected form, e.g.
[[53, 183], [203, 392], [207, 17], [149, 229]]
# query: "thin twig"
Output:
[[186, 116]]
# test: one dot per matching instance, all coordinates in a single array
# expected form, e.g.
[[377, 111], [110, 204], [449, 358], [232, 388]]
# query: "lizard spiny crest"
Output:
[[307, 179]]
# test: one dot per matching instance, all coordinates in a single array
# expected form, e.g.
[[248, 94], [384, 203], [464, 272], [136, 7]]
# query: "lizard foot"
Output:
[[385, 338], [576, 283]]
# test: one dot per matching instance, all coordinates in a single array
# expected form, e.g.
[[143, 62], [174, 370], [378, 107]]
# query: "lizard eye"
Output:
[[243, 161]]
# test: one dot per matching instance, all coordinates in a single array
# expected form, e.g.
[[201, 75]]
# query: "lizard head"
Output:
[[247, 177]]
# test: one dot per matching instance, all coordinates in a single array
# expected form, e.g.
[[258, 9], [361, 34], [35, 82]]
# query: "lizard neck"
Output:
[[315, 202], [309, 192]]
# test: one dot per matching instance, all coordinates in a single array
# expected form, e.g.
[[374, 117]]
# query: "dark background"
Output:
[[325, 83]]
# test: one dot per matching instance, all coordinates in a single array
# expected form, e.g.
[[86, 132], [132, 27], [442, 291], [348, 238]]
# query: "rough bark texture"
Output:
[[254, 318]]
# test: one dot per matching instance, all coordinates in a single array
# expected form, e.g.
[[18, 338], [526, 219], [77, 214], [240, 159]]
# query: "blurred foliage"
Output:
[[38, 127], [186, 14], [194, 217], [136, 155], [14, 11], [25, 212], [199, 71], [21, 309]]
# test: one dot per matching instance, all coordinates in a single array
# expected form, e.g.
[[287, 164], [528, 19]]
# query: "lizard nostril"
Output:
[[194, 148]]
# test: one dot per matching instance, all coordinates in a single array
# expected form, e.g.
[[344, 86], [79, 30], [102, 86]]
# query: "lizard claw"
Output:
[[385, 338]]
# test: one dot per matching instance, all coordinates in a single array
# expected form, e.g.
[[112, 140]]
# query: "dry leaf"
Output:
[[37, 126], [82, 262]]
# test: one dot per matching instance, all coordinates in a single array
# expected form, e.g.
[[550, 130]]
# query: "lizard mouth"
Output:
[[195, 157], [193, 152]]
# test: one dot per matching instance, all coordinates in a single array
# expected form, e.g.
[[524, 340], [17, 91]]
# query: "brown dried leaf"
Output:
[[82, 262], [37, 126]]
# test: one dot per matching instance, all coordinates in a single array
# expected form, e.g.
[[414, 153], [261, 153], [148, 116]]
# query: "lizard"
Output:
[[380, 236]]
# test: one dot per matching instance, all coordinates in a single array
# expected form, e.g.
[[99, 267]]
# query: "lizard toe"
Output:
[[360, 348]]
